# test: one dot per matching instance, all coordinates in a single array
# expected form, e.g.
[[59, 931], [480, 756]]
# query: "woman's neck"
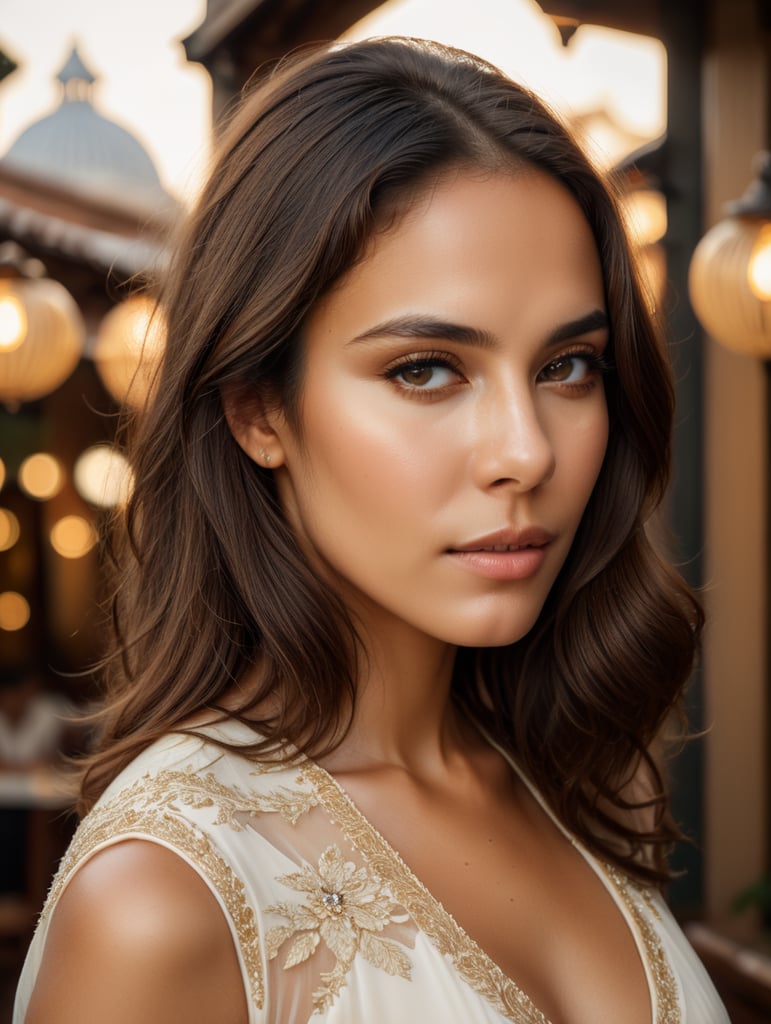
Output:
[[403, 716]]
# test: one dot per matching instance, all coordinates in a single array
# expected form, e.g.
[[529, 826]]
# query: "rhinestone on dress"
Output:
[[333, 901]]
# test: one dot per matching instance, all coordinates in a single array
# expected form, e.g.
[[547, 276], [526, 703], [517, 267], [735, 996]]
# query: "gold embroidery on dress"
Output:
[[345, 907], [471, 962], [667, 1002], [147, 808], [198, 791]]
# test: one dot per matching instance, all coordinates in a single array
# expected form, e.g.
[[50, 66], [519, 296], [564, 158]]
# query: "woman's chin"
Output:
[[497, 635]]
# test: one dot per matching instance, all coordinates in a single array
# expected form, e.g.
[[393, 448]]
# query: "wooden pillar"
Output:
[[735, 659]]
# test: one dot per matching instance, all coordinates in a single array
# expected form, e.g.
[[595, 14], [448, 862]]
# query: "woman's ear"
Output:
[[257, 426]]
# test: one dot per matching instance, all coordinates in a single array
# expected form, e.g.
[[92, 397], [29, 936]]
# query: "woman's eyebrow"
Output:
[[428, 327], [433, 327], [597, 320]]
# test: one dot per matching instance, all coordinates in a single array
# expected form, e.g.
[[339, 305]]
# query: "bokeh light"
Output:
[[14, 611], [72, 536], [9, 529], [41, 476], [103, 476], [646, 209]]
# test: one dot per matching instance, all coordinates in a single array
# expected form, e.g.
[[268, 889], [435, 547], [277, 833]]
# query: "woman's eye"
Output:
[[567, 369], [426, 376]]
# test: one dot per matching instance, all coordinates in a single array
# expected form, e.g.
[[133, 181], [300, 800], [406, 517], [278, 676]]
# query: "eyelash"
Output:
[[597, 365], [424, 361]]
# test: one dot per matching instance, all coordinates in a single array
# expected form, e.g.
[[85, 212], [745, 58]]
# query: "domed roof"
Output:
[[76, 147]]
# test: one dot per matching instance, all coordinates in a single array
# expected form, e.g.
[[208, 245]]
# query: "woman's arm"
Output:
[[138, 936]]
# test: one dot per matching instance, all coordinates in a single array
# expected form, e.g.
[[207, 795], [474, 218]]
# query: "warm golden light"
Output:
[[41, 476], [103, 476], [652, 262], [13, 323], [72, 536], [14, 611], [759, 266], [52, 339], [722, 297], [610, 83], [647, 214], [2, 474], [9, 529], [129, 347]]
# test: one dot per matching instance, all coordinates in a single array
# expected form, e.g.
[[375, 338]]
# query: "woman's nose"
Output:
[[512, 444]]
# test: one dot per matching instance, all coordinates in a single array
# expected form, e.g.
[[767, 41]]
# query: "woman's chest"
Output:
[[526, 897]]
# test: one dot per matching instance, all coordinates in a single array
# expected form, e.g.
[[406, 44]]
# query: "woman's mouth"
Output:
[[505, 555], [502, 547]]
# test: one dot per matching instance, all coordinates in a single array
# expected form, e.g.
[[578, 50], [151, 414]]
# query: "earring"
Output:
[[265, 456]]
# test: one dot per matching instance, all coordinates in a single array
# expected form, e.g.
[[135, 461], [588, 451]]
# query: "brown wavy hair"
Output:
[[322, 151]]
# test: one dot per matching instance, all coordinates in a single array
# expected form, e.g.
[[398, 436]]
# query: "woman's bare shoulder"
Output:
[[138, 935]]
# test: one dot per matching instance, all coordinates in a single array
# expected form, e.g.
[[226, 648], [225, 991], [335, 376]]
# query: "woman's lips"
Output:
[[518, 563], [505, 554]]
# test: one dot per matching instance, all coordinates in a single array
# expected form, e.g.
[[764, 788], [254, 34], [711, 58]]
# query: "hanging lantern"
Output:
[[730, 274], [128, 348], [41, 338]]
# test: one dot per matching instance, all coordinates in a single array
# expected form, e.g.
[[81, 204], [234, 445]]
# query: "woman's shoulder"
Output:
[[192, 792], [183, 832], [134, 926], [193, 746]]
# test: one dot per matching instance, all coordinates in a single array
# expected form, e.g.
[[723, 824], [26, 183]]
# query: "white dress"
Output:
[[329, 923]]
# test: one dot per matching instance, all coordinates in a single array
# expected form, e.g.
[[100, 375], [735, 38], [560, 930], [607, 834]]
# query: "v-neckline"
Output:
[[473, 964]]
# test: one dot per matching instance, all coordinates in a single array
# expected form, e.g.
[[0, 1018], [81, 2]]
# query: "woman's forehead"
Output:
[[500, 238]]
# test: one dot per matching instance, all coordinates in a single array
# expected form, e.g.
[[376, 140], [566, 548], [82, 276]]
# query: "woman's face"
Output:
[[453, 413]]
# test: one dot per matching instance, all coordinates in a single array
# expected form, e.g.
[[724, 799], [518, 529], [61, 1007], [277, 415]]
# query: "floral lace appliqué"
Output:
[[345, 907]]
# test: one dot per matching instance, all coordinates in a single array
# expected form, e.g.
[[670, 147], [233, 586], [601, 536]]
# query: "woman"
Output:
[[393, 646]]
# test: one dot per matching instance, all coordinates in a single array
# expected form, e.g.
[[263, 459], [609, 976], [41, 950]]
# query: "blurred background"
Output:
[[107, 115]]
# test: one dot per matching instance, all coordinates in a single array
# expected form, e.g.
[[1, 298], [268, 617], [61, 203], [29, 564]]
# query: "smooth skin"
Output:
[[137, 936], [453, 390]]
